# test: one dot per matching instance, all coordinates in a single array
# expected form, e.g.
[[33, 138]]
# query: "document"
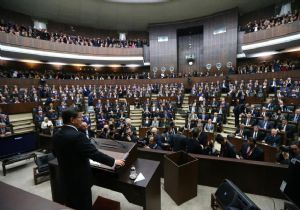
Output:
[[140, 177]]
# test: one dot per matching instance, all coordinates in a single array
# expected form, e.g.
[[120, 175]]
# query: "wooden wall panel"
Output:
[[196, 41], [163, 53], [216, 48]]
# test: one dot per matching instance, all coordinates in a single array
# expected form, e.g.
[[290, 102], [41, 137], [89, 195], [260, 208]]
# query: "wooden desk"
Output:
[[45, 141], [13, 198], [269, 151], [255, 177], [144, 193]]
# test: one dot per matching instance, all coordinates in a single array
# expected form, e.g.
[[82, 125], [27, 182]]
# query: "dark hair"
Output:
[[297, 143], [68, 114], [219, 138], [195, 132]]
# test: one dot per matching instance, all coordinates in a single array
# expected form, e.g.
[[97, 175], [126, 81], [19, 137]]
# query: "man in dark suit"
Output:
[[242, 132], [73, 151], [193, 145], [296, 116], [178, 141], [273, 139], [250, 151], [227, 148], [238, 109], [248, 121], [265, 124], [257, 134], [284, 127]]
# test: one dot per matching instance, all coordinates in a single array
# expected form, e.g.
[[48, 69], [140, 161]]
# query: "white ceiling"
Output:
[[123, 16]]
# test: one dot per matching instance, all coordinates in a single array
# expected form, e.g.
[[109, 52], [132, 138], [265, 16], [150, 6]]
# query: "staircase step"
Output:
[[229, 126], [228, 131], [24, 130], [18, 117]]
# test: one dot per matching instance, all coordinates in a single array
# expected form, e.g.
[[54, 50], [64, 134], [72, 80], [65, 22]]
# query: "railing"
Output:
[[37, 44], [270, 75], [275, 32]]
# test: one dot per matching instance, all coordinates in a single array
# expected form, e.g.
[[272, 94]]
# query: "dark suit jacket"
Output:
[[292, 117], [256, 154], [203, 138], [276, 141], [73, 151], [259, 137], [193, 146], [261, 124], [178, 142], [289, 130], [228, 150], [90, 133], [251, 123], [245, 133]]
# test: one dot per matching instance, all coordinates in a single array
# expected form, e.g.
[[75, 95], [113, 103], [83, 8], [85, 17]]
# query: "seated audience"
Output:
[[47, 126], [209, 126], [178, 141], [153, 143], [273, 138], [227, 148], [251, 151]]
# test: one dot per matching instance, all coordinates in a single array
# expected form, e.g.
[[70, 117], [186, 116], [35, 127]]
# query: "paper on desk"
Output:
[[140, 177]]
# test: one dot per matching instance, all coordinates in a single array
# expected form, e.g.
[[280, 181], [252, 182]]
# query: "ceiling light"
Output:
[[97, 65], [56, 63], [30, 61], [262, 54], [70, 56], [6, 58], [132, 65], [271, 42], [115, 65]]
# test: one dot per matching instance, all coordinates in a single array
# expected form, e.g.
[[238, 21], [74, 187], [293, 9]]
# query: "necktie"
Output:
[[254, 135], [296, 118], [265, 125], [248, 151]]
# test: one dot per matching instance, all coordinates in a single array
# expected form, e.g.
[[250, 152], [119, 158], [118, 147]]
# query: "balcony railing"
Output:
[[275, 32], [37, 44]]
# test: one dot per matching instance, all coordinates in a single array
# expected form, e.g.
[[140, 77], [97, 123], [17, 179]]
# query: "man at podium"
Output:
[[73, 151]]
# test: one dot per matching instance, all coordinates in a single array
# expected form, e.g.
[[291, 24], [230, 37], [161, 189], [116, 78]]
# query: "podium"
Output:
[[144, 193], [181, 176]]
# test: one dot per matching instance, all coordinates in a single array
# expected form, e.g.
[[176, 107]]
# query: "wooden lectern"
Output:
[[181, 176], [145, 193]]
